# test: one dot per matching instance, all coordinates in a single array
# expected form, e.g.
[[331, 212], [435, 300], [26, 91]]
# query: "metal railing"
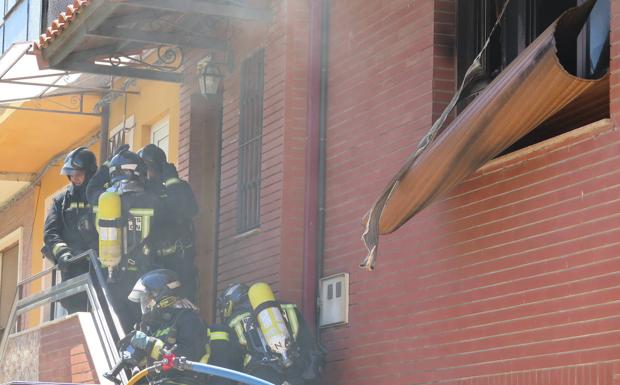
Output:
[[93, 283]]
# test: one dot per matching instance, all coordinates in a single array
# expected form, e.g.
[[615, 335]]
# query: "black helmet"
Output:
[[127, 165], [233, 296], [80, 159], [154, 157], [157, 289]]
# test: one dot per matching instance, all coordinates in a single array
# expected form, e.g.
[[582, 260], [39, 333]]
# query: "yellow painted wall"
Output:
[[156, 100]]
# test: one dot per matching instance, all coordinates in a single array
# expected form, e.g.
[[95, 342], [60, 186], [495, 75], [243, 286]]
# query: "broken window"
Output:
[[521, 24]]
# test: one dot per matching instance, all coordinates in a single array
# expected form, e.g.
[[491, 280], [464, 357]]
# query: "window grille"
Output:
[[115, 142], [250, 142]]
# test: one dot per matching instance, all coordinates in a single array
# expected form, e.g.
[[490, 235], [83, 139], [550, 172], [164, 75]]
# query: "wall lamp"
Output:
[[209, 76]]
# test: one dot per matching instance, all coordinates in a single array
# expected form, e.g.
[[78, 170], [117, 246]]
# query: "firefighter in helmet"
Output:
[[277, 344], [176, 249], [170, 320], [139, 221], [69, 226]]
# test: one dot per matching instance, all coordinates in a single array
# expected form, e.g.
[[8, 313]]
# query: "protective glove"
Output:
[[140, 340], [169, 171], [63, 261]]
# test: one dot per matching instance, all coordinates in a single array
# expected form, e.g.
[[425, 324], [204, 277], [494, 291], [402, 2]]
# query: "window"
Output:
[[523, 21], [121, 134], [160, 134], [250, 140], [21, 21]]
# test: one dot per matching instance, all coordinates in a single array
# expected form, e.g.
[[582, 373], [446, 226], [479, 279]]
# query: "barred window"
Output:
[[250, 140], [120, 135]]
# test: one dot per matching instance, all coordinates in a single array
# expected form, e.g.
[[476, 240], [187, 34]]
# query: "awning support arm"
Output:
[[124, 71], [51, 110]]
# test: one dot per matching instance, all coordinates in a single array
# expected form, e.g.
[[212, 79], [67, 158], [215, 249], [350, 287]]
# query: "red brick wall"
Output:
[[511, 279], [188, 88], [273, 253], [514, 277], [444, 65], [380, 104], [614, 94], [615, 62], [63, 354]]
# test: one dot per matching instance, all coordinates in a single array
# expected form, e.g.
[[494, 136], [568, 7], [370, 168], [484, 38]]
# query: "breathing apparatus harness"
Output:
[[266, 329]]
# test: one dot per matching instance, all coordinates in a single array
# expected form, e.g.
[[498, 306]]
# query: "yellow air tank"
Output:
[[109, 224], [270, 320]]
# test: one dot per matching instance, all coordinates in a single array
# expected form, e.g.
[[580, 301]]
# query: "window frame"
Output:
[[14, 239], [504, 40], [534, 17], [128, 136], [162, 125], [8, 13]]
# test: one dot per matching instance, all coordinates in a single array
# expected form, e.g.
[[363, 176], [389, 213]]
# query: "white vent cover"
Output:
[[334, 300]]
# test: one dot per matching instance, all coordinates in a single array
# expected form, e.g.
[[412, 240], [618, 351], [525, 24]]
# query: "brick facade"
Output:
[[58, 352], [511, 279], [64, 354], [615, 63], [273, 252]]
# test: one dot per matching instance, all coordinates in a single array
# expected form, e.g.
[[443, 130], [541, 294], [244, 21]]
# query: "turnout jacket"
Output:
[[184, 329], [70, 224], [175, 248], [181, 207]]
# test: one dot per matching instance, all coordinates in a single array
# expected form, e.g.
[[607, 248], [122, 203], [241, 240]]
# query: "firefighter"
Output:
[[140, 221], [69, 226], [176, 249], [170, 320], [278, 346]]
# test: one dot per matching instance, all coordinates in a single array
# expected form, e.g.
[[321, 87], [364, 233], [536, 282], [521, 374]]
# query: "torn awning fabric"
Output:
[[497, 118]]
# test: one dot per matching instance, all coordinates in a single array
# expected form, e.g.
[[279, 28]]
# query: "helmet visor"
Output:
[[140, 294], [70, 170], [147, 303]]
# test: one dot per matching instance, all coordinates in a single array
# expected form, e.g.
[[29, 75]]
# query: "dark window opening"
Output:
[[250, 142], [523, 21]]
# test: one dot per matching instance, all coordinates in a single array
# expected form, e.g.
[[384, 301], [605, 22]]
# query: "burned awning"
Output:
[[533, 88], [138, 38]]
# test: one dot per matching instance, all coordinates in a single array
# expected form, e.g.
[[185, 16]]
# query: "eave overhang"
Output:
[[534, 88], [139, 38]]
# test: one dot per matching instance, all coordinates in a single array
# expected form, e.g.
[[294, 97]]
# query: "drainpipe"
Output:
[[314, 201]]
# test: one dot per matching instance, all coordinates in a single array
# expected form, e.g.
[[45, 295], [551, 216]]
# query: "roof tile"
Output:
[[61, 23]]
